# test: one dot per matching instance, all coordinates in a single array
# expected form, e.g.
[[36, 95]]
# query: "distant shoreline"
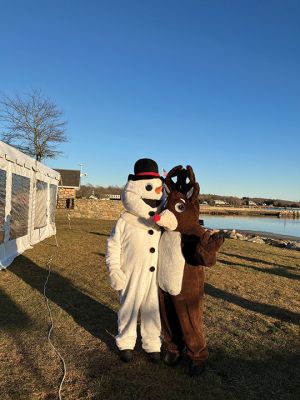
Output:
[[270, 235], [251, 211]]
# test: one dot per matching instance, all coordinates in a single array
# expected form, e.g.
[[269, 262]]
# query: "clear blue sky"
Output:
[[214, 83]]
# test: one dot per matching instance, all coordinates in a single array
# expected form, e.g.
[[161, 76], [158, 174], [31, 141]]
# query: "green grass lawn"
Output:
[[252, 317]]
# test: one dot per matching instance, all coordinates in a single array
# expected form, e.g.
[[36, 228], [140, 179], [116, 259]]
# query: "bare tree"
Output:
[[33, 124]]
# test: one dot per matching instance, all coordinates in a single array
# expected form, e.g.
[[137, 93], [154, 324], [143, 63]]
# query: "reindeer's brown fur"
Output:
[[182, 315]]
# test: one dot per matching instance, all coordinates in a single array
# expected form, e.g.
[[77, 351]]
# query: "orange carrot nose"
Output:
[[158, 190]]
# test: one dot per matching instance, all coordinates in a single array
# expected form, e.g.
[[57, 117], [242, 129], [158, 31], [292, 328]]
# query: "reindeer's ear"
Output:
[[189, 193], [193, 193], [196, 192]]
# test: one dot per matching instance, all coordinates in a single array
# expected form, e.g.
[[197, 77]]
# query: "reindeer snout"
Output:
[[167, 220], [156, 217]]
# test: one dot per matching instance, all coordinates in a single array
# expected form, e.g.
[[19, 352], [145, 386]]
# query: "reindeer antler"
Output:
[[192, 184], [169, 184], [181, 180], [191, 188]]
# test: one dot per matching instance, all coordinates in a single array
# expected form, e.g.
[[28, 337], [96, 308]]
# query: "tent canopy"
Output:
[[28, 192]]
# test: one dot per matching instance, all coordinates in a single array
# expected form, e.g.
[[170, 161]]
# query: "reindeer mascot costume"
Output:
[[131, 258], [185, 247]]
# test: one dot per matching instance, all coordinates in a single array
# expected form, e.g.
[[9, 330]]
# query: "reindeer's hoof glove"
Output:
[[218, 239], [171, 359]]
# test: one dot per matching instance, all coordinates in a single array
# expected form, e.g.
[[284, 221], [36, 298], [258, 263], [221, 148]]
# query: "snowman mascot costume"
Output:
[[131, 258]]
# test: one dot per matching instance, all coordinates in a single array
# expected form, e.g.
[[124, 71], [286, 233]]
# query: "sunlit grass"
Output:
[[251, 316]]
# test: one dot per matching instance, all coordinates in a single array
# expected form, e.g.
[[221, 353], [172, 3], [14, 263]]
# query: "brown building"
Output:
[[68, 184]]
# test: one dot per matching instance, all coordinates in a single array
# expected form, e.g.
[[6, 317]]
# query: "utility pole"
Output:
[[82, 174]]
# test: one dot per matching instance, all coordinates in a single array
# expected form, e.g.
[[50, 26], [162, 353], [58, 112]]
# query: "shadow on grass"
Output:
[[11, 316], [273, 271], [100, 234], [256, 260], [94, 317], [261, 377], [265, 309], [243, 376]]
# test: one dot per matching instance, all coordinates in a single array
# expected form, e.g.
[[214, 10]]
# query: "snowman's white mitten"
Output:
[[117, 280]]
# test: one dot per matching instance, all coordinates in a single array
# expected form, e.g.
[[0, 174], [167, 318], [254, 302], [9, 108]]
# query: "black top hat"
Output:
[[145, 168]]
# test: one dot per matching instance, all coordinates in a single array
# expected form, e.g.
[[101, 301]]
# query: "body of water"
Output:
[[281, 226]]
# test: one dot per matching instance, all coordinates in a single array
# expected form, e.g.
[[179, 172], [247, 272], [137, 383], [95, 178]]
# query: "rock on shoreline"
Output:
[[287, 244]]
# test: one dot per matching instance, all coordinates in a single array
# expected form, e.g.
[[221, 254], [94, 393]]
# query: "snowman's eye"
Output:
[[149, 187], [179, 207]]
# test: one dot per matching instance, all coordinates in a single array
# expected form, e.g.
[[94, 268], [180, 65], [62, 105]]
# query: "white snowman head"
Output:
[[143, 193]]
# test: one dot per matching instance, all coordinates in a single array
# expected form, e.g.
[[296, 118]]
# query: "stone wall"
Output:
[[96, 209], [65, 197]]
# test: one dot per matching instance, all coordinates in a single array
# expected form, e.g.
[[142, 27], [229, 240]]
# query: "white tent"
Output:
[[28, 191]]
